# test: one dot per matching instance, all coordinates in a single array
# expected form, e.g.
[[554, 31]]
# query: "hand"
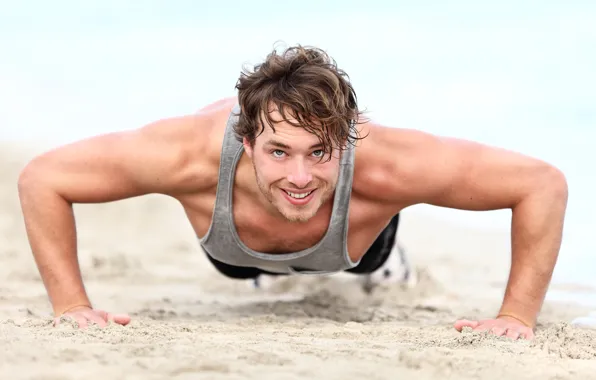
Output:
[[85, 314], [504, 325]]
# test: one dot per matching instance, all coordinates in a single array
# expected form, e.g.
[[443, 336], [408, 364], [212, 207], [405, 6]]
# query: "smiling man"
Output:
[[290, 178], [299, 195]]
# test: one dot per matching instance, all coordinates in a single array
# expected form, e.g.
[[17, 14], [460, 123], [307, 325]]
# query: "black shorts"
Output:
[[374, 258]]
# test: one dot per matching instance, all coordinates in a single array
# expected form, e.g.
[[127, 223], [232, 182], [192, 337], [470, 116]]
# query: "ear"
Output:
[[247, 146]]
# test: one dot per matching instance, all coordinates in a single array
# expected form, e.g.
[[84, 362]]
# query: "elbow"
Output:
[[26, 179], [29, 177], [554, 183]]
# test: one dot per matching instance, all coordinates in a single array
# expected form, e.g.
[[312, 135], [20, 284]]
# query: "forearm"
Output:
[[50, 226], [536, 233]]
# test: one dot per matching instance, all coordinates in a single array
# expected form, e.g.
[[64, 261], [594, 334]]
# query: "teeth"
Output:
[[298, 196]]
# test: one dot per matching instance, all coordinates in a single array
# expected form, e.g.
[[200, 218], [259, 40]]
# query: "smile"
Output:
[[296, 198], [299, 195]]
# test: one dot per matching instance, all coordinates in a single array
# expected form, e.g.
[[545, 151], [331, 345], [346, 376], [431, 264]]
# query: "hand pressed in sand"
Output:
[[84, 315], [500, 326]]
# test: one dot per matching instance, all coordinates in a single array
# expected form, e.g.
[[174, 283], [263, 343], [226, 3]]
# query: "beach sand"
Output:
[[139, 256]]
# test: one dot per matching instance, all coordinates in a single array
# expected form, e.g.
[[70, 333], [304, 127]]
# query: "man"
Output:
[[289, 177]]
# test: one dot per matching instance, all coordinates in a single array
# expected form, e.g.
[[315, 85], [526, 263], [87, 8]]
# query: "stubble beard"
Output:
[[305, 213]]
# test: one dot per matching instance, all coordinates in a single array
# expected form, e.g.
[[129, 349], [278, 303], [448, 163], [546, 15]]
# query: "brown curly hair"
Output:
[[306, 84]]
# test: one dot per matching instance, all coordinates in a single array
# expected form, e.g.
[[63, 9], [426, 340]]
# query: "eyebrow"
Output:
[[286, 146]]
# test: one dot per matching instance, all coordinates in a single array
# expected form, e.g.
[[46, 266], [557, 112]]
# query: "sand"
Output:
[[139, 256]]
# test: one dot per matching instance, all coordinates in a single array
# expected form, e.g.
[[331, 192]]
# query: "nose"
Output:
[[300, 175]]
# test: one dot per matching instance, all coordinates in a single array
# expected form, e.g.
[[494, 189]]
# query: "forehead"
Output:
[[287, 131]]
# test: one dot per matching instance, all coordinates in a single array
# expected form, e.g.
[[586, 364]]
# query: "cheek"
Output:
[[328, 172], [268, 171]]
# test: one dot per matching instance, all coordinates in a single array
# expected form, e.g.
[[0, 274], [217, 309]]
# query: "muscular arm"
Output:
[[153, 159], [465, 175]]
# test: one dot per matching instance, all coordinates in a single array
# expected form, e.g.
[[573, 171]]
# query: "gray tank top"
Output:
[[222, 242]]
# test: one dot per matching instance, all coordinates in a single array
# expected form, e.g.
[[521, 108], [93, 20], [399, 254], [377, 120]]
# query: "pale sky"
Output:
[[434, 62]]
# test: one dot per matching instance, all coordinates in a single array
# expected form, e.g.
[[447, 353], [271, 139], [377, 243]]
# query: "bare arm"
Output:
[[465, 175], [153, 159]]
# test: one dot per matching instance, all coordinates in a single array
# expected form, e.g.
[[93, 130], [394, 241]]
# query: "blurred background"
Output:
[[515, 74]]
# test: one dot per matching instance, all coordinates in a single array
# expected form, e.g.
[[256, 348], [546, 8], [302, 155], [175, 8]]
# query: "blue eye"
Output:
[[318, 153], [278, 153]]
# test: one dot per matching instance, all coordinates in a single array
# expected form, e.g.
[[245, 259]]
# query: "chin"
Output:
[[296, 213], [293, 215], [298, 218]]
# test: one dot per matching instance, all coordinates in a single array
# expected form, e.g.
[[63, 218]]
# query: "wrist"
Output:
[[514, 317], [523, 310], [66, 296], [72, 307]]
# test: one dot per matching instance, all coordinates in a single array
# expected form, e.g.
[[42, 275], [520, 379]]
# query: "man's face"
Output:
[[293, 172]]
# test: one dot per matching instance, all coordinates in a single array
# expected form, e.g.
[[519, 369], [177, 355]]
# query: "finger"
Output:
[[80, 319], [527, 334], [121, 319], [482, 328], [95, 318], [102, 314], [460, 324], [513, 334], [498, 331]]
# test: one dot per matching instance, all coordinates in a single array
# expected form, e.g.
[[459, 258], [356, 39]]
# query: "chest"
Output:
[[263, 233]]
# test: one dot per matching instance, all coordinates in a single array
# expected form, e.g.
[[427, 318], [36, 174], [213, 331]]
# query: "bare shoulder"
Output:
[[403, 167], [386, 158], [208, 134], [174, 156], [191, 143]]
